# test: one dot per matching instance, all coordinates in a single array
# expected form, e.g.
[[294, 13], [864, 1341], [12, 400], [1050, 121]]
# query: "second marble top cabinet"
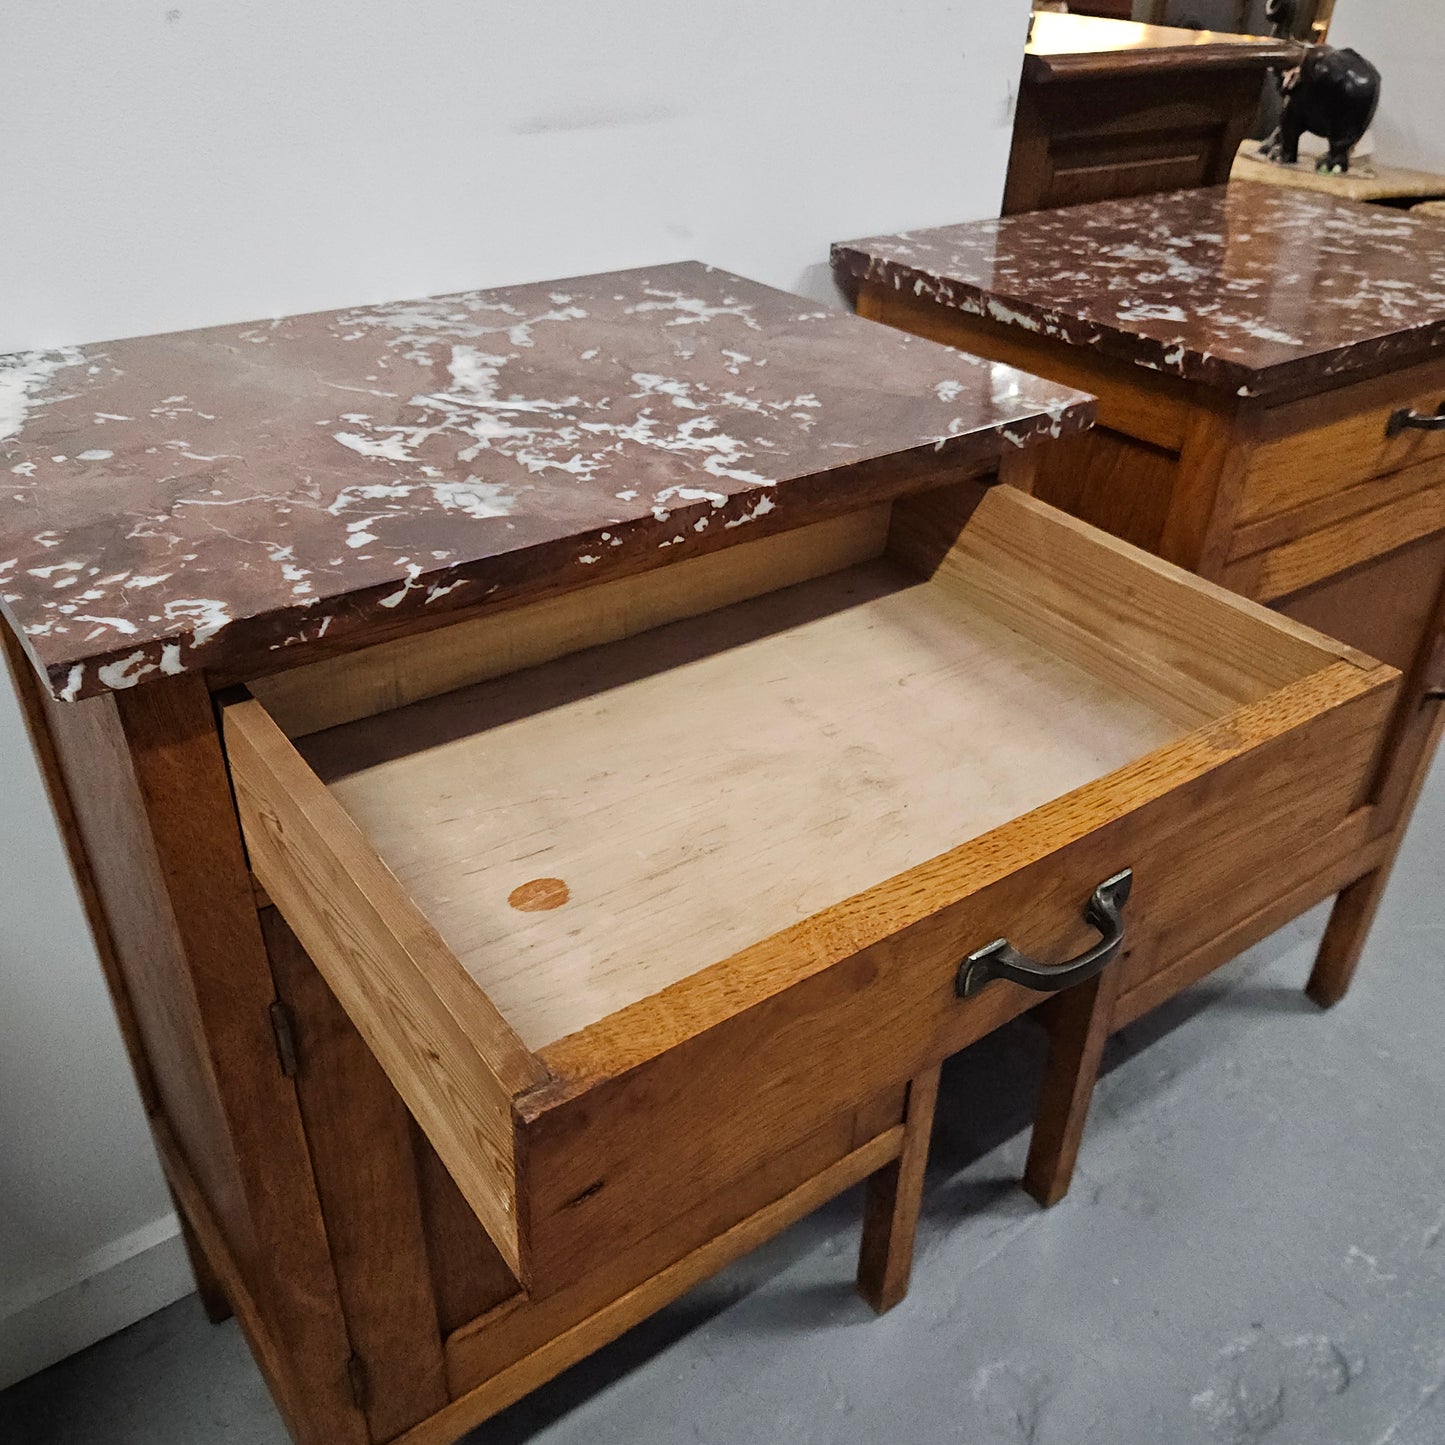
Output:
[[1271, 385]]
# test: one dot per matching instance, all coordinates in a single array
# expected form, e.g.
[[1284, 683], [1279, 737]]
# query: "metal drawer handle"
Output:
[[1000, 959], [1409, 418]]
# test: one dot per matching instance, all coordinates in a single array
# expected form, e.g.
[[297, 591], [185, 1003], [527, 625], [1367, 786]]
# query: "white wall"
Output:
[[1406, 39], [176, 164], [242, 160]]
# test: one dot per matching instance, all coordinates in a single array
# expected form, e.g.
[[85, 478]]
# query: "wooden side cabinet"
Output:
[[1111, 108], [495, 973], [1268, 418]]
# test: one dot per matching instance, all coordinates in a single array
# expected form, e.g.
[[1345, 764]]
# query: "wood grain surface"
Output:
[[451, 1055], [703, 786]]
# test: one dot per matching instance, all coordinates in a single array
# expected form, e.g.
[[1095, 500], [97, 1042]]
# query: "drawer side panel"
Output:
[[1307, 795], [452, 1057]]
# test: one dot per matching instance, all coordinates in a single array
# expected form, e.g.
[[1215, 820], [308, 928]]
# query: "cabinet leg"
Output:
[[1355, 908], [1345, 936], [1078, 1024], [890, 1213], [208, 1283]]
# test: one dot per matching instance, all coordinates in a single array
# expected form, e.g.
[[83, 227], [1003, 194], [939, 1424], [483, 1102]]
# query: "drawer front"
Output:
[[1327, 445], [602, 1152], [687, 1247], [1291, 567]]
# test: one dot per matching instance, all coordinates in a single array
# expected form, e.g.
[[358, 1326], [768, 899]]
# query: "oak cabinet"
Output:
[[549, 838]]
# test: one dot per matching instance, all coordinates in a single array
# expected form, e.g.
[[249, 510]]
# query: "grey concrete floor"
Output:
[[1254, 1250]]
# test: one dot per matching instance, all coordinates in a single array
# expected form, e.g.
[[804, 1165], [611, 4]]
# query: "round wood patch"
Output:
[[539, 895]]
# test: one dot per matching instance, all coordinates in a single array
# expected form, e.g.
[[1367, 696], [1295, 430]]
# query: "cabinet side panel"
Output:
[[1113, 481], [1394, 608], [154, 819], [151, 968], [469, 1276]]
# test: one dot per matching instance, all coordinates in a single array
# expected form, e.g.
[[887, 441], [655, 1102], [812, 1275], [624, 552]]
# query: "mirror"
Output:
[[1307, 20]]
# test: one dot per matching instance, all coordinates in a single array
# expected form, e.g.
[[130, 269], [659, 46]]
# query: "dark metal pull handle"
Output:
[[1407, 418], [1000, 959], [1434, 694]]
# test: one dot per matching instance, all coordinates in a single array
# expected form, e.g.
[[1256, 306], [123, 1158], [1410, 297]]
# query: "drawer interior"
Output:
[[585, 832]]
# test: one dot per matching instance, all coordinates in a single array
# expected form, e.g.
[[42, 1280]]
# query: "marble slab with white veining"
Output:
[[1246, 287], [210, 499]]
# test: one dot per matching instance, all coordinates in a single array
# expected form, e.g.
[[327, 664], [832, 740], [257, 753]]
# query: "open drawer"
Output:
[[666, 872]]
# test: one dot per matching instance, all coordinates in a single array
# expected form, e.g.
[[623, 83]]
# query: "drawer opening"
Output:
[[613, 923], [587, 832]]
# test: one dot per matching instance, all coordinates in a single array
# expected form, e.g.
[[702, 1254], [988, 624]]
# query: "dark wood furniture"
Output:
[[1110, 108], [1110, 9], [1311, 17], [1270, 375], [550, 770]]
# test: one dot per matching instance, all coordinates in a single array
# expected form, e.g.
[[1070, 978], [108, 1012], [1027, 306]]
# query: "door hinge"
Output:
[[283, 1028], [356, 1379]]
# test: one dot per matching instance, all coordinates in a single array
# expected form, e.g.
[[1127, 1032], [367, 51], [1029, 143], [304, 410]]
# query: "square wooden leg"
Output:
[[1355, 908], [1078, 1024], [214, 1299], [890, 1214], [1345, 936]]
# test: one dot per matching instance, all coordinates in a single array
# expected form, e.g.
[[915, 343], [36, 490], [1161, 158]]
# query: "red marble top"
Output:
[[1248, 287], [208, 499]]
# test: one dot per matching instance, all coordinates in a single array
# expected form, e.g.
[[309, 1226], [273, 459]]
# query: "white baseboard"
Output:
[[115, 1286]]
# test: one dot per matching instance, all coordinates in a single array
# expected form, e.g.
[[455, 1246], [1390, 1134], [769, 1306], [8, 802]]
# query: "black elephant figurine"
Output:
[[1333, 93]]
